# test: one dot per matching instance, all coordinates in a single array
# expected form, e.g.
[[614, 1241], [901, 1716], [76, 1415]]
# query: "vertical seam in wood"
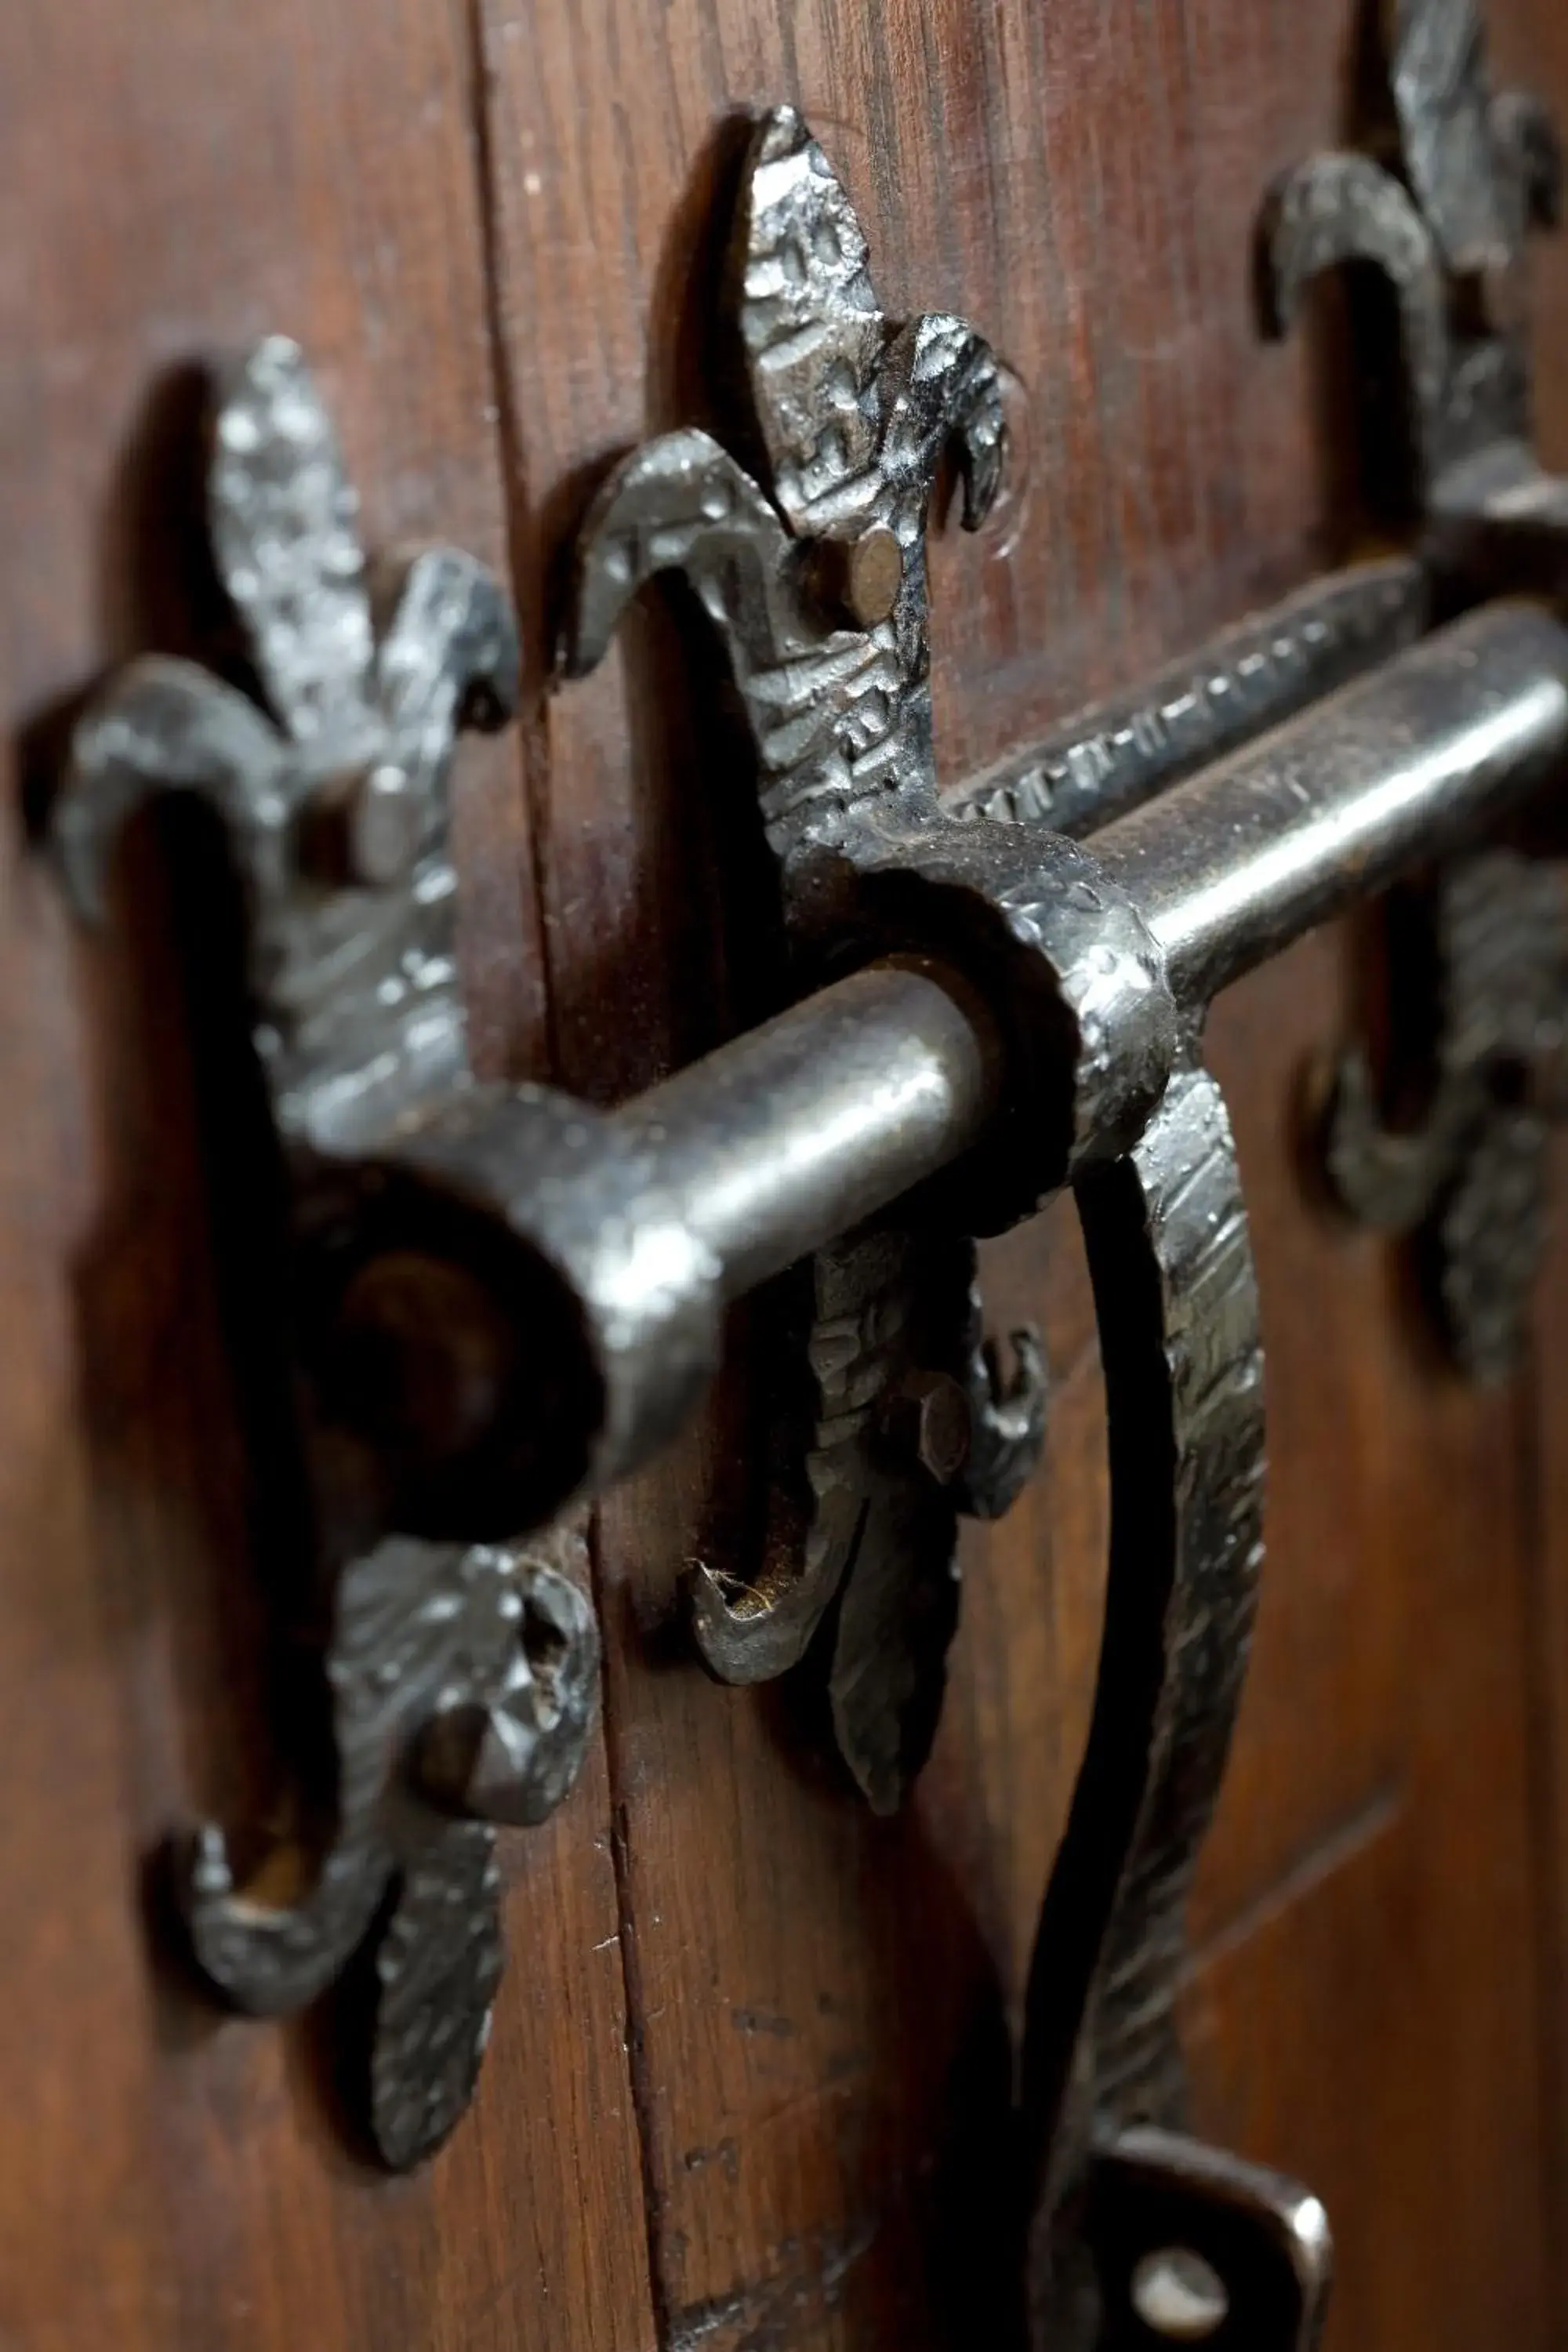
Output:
[[637, 2050], [523, 566], [530, 600], [1543, 1733]]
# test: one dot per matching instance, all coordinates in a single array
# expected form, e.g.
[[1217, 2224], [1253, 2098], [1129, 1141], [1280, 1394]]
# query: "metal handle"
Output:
[[648, 1220], [499, 1300]]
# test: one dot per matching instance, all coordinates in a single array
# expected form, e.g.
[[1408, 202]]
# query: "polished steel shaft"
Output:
[[776, 1143], [1231, 866], [631, 1229], [803, 1127]]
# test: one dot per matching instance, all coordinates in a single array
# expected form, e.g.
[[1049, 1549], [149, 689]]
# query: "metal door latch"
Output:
[[1211, 841], [817, 589], [499, 1300]]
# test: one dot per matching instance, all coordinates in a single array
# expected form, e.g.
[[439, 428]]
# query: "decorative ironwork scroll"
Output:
[[462, 1675], [1440, 228], [816, 586]]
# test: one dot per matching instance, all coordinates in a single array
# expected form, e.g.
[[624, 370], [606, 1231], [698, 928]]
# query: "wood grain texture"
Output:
[[808, 1988], [192, 176], [1530, 40], [802, 2149], [1365, 2009]]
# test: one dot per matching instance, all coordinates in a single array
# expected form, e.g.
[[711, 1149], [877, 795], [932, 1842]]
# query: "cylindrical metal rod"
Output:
[[1232, 866], [799, 1130], [630, 1229], [778, 1143]]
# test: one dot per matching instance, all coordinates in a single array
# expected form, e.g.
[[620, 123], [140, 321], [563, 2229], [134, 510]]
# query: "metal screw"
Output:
[[365, 826], [383, 826], [474, 1759], [1179, 2295], [861, 577], [927, 1415]]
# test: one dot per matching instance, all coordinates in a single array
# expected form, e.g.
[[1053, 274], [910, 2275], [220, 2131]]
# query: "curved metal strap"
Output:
[[1344, 208], [1177, 1303]]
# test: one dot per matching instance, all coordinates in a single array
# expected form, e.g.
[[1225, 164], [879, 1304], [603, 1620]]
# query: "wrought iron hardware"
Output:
[[853, 415], [1191, 2246], [1437, 229], [460, 1662], [500, 1300], [818, 591], [1093, 967]]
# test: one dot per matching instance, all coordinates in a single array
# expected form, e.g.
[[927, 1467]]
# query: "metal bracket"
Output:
[[1100, 965], [1441, 223], [461, 1676], [1192, 2246], [818, 591]]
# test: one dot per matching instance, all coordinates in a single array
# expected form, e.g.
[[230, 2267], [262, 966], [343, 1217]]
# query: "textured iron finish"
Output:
[[1445, 230], [1082, 958], [462, 1677], [423, 1637], [1226, 868], [1184, 892], [816, 583], [1114, 757], [1155, 2197], [817, 587], [1177, 1308]]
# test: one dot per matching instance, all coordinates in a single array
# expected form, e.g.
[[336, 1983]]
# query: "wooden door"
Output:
[[751, 2063]]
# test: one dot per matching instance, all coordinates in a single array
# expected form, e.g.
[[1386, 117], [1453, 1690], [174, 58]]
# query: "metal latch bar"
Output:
[[779, 1142]]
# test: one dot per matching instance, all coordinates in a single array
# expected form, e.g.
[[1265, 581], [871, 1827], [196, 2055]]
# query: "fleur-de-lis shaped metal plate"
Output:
[[461, 1676], [816, 584], [1444, 228]]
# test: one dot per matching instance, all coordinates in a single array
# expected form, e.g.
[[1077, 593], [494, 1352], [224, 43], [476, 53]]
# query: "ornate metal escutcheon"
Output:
[[816, 586], [461, 1676], [818, 591], [1436, 230]]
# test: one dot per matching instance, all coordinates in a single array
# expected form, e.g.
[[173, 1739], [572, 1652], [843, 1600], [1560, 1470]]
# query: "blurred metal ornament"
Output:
[[1445, 231]]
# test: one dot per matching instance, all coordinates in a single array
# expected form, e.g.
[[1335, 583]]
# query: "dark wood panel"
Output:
[[191, 176], [1381, 2076]]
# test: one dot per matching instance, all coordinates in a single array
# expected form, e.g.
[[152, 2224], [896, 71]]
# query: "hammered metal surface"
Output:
[[1111, 758], [1177, 1309], [358, 1022], [854, 414]]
